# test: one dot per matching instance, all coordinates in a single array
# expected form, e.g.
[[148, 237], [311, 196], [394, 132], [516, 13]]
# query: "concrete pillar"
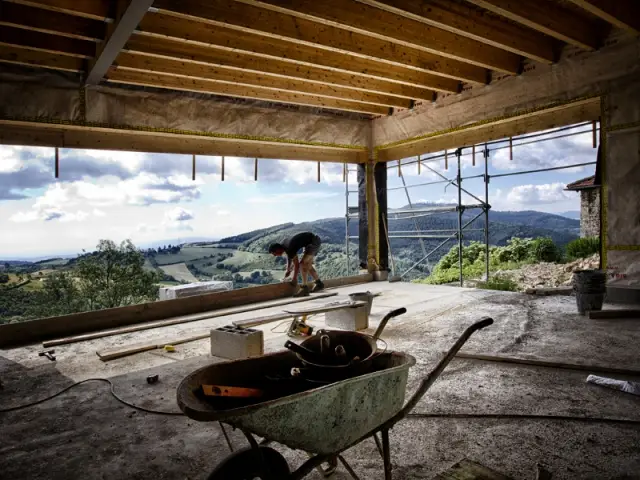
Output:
[[620, 193]]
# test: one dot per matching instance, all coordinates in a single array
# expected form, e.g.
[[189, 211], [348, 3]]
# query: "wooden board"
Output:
[[465, 469], [330, 307], [179, 320], [549, 364], [605, 314], [550, 291], [131, 349]]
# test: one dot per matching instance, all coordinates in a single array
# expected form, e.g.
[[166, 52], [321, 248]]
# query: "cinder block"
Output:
[[234, 342], [348, 318]]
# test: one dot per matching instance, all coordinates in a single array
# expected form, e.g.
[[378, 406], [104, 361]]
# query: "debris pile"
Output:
[[548, 275]]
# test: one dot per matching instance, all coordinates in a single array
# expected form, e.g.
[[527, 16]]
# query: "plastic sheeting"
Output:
[[54, 96], [577, 74]]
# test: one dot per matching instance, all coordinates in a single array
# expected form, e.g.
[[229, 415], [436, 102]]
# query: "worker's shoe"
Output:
[[318, 286], [303, 292]]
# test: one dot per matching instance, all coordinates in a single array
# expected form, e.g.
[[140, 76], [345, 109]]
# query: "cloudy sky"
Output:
[[152, 197]]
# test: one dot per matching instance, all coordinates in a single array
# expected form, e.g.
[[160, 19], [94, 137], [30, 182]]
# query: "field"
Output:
[[180, 272], [189, 254]]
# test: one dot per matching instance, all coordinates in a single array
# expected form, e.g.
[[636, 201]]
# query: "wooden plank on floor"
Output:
[[548, 364], [132, 349], [180, 320], [609, 314], [465, 469], [550, 291]]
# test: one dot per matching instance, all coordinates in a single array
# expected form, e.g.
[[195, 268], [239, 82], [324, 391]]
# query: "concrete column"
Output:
[[620, 192]]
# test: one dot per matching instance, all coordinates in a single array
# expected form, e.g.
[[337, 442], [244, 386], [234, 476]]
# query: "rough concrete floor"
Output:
[[85, 433]]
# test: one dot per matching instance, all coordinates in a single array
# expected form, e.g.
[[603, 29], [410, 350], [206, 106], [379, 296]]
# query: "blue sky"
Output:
[[149, 197]]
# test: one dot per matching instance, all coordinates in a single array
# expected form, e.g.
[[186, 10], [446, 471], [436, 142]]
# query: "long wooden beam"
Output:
[[242, 91], [167, 49], [552, 117], [621, 13], [548, 17], [45, 42], [129, 61], [370, 21], [35, 58], [127, 19], [183, 30], [247, 18], [95, 9], [76, 136], [39, 20], [474, 23]]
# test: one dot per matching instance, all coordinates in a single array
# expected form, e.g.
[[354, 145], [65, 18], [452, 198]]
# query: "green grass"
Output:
[[188, 254], [498, 282], [54, 262], [180, 272]]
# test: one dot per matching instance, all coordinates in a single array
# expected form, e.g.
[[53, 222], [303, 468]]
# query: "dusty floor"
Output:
[[86, 433]]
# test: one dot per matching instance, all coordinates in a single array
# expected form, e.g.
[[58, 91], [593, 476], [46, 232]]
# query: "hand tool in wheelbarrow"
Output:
[[360, 350], [324, 422]]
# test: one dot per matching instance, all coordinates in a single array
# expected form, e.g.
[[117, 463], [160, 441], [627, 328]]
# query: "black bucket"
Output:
[[590, 287]]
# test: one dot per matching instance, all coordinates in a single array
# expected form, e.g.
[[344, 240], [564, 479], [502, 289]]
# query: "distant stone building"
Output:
[[589, 205]]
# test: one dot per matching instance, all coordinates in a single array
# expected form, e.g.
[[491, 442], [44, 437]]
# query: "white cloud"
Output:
[[292, 197], [178, 214], [223, 213], [99, 213], [538, 194]]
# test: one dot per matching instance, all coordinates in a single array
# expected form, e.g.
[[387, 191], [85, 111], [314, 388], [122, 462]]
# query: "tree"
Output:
[[4, 278], [59, 296], [115, 276]]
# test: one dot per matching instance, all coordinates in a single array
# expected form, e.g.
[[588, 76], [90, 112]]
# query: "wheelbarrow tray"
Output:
[[321, 420]]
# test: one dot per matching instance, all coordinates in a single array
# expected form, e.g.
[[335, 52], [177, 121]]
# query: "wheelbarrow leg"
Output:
[[387, 454]]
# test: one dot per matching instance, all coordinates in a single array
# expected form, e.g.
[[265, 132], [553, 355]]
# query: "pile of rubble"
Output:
[[548, 275]]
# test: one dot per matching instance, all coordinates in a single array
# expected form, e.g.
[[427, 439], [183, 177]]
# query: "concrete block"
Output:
[[348, 318], [234, 342], [191, 289]]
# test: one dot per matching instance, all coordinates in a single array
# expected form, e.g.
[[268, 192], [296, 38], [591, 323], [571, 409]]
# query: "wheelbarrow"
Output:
[[323, 421]]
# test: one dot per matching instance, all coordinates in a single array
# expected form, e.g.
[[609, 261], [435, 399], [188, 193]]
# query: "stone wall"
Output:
[[590, 213]]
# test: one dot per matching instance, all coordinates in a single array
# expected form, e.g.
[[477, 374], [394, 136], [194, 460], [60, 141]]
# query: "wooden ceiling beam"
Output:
[[623, 14], [216, 88], [138, 63], [553, 117], [39, 20], [128, 15], [547, 17], [473, 23], [247, 18], [94, 9], [76, 136], [45, 42], [384, 25], [34, 58], [164, 48], [180, 29]]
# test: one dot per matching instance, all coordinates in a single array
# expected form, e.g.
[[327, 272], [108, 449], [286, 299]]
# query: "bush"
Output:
[[498, 282], [544, 250], [4, 278], [583, 247]]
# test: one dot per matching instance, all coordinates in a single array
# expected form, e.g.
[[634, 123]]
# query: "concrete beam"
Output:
[[126, 22]]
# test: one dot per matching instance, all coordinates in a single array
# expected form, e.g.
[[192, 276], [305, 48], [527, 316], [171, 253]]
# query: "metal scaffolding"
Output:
[[415, 212]]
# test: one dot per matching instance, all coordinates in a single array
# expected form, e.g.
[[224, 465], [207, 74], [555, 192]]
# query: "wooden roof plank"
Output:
[[35, 58], [471, 22], [623, 14], [547, 17], [180, 29], [129, 15], [141, 63], [164, 48], [384, 25], [95, 9], [36, 19], [45, 42], [247, 18], [242, 91]]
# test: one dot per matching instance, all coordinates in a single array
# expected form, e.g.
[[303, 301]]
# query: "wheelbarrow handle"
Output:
[[387, 317], [426, 382]]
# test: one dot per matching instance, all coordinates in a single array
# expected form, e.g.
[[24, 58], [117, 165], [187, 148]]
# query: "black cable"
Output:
[[112, 391], [525, 416]]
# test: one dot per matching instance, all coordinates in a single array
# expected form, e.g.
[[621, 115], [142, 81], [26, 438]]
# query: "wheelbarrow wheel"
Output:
[[245, 464]]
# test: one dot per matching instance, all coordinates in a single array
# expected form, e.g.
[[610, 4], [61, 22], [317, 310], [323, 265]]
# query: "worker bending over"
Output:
[[308, 241]]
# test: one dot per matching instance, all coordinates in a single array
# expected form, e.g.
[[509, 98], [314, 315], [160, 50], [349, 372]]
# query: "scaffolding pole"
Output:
[[459, 179], [486, 211], [346, 220]]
